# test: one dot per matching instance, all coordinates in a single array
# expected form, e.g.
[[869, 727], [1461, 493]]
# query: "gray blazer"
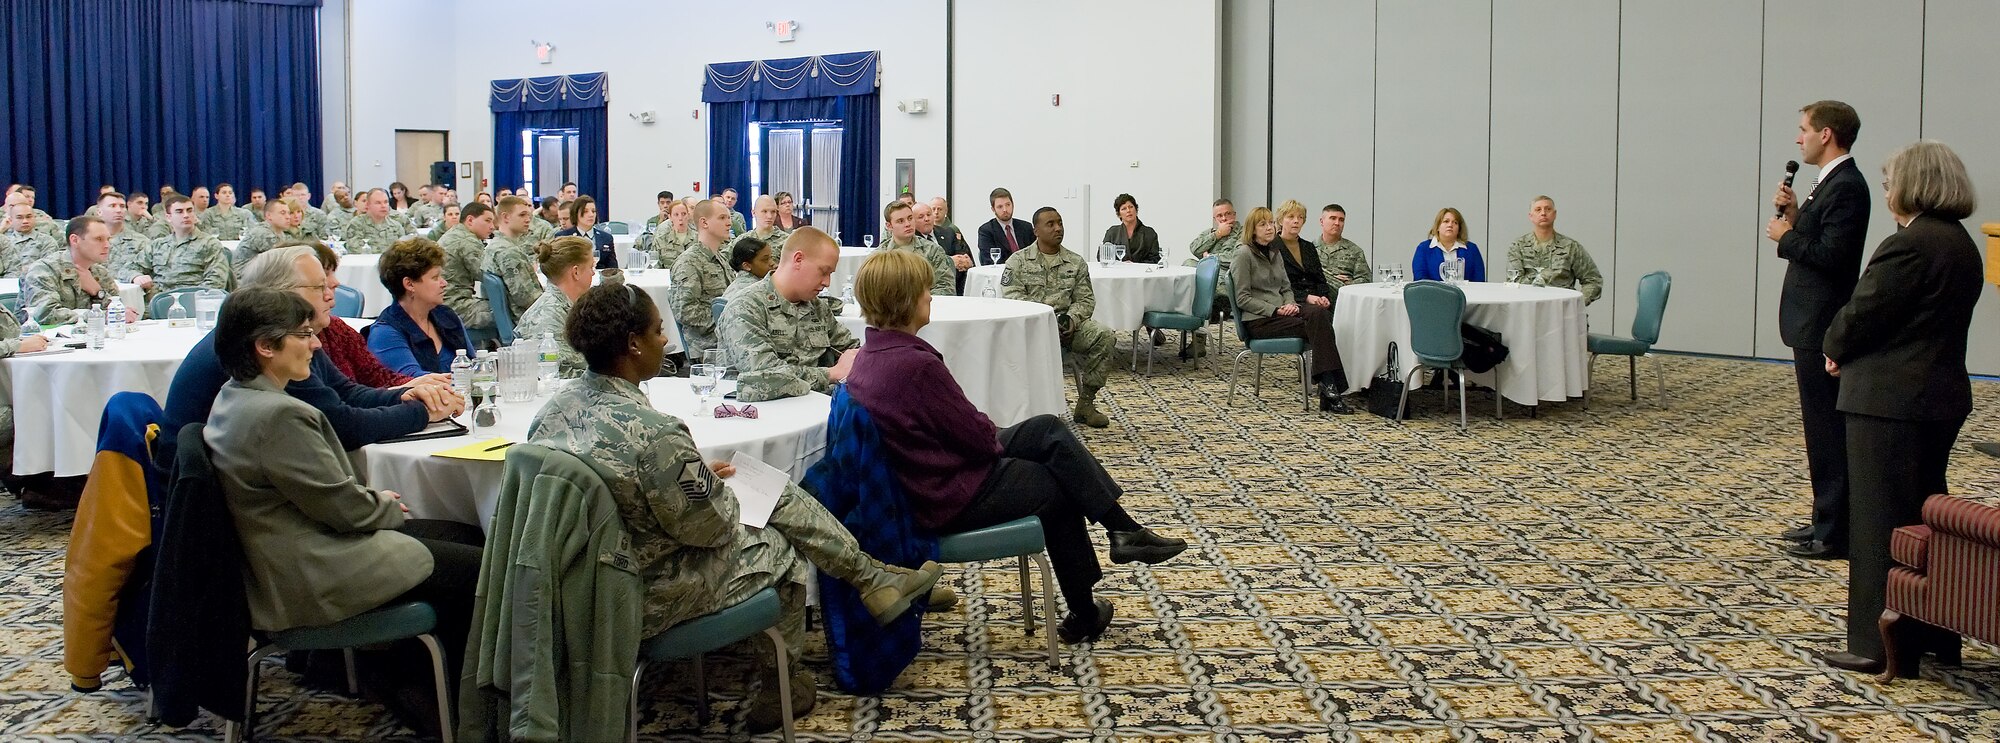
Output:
[[1262, 286], [318, 546]]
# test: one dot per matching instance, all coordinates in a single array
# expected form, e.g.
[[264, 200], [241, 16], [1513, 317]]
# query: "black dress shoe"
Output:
[[1816, 550], [1075, 629], [1801, 534], [1144, 546], [1850, 662]]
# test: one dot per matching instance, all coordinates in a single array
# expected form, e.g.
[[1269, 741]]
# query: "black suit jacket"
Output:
[[1824, 248], [1900, 342], [991, 237]]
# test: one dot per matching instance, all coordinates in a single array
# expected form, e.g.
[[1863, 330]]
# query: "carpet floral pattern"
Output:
[[1603, 574]]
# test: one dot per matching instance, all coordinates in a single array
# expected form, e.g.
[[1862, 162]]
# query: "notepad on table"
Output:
[[483, 450]]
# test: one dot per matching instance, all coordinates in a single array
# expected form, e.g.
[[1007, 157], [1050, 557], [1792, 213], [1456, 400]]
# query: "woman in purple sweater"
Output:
[[960, 472]]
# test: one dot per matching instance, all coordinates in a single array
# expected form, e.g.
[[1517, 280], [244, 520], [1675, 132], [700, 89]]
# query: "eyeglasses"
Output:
[[319, 287], [727, 410]]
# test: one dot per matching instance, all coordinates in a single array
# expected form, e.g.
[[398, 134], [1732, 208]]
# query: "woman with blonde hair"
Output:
[[1275, 301], [566, 261], [1447, 240]]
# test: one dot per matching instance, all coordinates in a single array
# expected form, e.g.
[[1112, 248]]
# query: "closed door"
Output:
[[415, 151]]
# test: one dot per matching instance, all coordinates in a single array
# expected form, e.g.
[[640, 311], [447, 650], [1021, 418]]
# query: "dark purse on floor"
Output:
[[1483, 349], [1387, 389]]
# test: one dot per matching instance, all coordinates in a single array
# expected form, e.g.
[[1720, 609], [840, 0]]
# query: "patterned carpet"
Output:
[[1603, 574]]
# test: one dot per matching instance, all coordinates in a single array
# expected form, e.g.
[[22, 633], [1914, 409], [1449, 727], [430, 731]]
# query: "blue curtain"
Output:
[[143, 93], [833, 87], [557, 102]]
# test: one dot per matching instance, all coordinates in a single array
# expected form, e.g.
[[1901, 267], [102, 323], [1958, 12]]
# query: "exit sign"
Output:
[[785, 30]]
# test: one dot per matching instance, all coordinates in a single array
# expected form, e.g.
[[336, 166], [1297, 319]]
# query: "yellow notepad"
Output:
[[483, 450]]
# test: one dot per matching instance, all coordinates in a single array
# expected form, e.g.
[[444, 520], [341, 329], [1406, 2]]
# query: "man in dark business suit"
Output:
[[930, 223], [1003, 231], [1823, 240]]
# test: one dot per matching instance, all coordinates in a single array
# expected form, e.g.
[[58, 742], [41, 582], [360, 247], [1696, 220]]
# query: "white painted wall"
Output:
[[401, 67]]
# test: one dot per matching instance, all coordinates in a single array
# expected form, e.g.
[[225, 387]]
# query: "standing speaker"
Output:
[[445, 172]]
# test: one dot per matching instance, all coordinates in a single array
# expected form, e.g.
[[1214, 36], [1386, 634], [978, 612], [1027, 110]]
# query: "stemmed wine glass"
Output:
[[868, 241], [702, 378]]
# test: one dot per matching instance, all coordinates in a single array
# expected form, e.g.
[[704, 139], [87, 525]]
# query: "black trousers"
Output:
[[1826, 445], [1894, 465], [455, 549], [1045, 471], [1313, 323]]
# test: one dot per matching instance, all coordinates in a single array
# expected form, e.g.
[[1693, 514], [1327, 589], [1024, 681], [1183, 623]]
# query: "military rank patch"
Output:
[[696, 481]]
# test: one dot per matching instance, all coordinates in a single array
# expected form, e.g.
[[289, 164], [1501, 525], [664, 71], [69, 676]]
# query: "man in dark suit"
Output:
[[1003, 231], [930, 224], [1822, 240]]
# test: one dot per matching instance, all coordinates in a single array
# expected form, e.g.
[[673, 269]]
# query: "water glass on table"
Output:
[[702, 379], [992, 256], [868, 241]]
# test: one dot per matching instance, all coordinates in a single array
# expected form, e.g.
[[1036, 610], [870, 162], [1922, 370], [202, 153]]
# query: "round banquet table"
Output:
[[130, 294], [788, 434], [1004, 353], [1543, 328], [363, 272], [850, 261], [1125, 291], [655, 281], [59, 398]]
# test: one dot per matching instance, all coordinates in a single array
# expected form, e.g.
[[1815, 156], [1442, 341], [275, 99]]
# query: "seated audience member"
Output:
[[665, 199], [25, 242], [255, 205], [547, 214], [674, 235], [60, 289], [447, 219], [345, 346], [464, 258], [1546, 257], [582, 214], [281, 224], [185, 257], [138, 216], [226, 220], [693, 555], [318, 545], [483, 198], [567, 262], [752, 259], [339, 203], [765, 213], [728, 199], [789, 219], [417, 334], [961, 473], [780, 338], [902, 221], [31, 491], [936, 225], [372, 230], [400, 200], [1003, 232], [700, 276], [1447, 240], [1342, 262], [1142, 244], [128, 241], [1275, 304], [1221, 240], [511, 255], [1055, 276], [360, 414]]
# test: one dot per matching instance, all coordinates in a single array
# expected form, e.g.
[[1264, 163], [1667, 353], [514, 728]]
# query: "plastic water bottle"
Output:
[[115, 318], [96, 323], [29, 326], [461, 374], [548, 366], [847, 292]]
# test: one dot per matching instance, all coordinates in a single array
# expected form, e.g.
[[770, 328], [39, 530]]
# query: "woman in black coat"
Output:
[[1898, 348]]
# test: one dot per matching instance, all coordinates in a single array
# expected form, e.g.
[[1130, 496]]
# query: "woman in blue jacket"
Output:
[[417, 334], [583, 221], [1447, 240]]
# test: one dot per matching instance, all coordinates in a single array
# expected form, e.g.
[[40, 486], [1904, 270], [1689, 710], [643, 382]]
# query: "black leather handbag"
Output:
[[1387, 389]]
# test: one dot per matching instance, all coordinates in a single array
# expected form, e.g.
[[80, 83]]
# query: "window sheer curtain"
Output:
[[144, 93]]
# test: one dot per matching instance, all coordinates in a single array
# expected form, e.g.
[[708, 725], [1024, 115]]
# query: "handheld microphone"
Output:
[[1791, 170]]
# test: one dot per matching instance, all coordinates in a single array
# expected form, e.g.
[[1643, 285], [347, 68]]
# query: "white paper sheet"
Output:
[[757, 487]]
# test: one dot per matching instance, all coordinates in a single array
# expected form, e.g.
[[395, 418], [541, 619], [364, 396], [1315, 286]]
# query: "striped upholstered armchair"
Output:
[[1945, 586]]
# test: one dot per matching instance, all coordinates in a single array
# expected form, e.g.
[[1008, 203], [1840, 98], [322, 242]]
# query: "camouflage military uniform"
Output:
[[700, 275], [46, 225], [464, 259], [693, 554], [514, 262], [944, 275], [225, 223], [26, 249], [317, 224], [1062, 281], [736, 225], [540, 229], [547, 315], [778, 347], [743, 279], [364, 235], [159, 228], [140, 224], [334, 211], [671, 244], [127, 247], [259, 239], [425, 213], [775, 238], [10, 343], [1559, 262], [53, 295], [1343, 258], [179, 263], [1223, 247]]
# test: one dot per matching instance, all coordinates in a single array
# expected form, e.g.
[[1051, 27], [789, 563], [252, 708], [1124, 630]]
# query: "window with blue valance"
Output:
[[834, 87], [557, 102]]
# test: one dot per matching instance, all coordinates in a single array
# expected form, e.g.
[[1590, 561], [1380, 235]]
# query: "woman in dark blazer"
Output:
[[583, 218], [1898, 348], [1142, 244]]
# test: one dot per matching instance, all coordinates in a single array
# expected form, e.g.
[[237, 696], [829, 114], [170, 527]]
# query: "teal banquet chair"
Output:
[[1205, 274], [1436, 309], [1267, 346], [1653, 290]]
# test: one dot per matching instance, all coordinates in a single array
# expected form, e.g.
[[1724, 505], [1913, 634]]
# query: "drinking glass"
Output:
[[518, 372], [868, 241], [702, 379], [992, 256], [1118, 253], [987, 291]]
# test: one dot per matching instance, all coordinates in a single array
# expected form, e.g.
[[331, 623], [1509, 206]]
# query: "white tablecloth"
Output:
[[1543, 328], [1125, 291], [363, 272], [850, 261], [131, 294], [1005, 354], [656, 282], [58, 398], [788, 434]]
